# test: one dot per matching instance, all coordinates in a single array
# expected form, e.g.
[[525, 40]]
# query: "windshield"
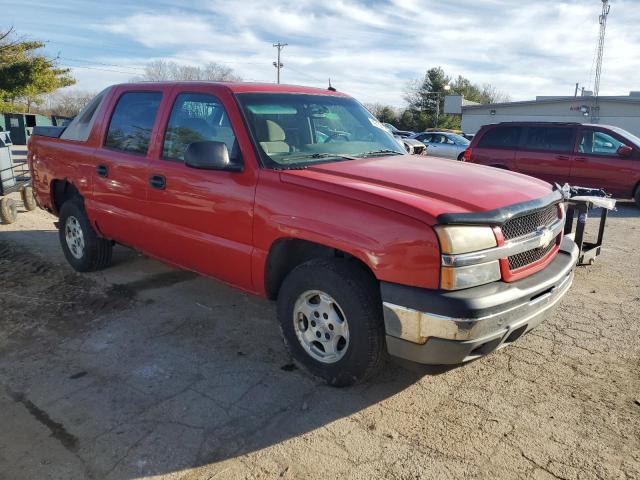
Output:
[[296, 130], [624, 133]]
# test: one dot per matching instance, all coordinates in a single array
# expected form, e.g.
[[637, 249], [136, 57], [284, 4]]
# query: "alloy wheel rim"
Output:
[[321, 326], [74, 237]]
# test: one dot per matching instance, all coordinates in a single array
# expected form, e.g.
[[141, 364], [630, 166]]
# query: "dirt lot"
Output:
[[144, 371]]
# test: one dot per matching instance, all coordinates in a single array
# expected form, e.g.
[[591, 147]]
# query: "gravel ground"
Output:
[[145, 371]]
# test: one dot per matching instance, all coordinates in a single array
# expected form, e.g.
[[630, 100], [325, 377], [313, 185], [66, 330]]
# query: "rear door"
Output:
[[202, 219], [597, 164], [545, 152], [122, 164], [497, 146]]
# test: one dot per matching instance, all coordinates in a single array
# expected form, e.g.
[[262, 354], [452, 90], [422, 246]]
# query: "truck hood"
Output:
[[428, 185]]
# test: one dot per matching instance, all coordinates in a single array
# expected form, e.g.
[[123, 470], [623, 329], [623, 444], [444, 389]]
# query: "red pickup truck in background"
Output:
[[301, 195]]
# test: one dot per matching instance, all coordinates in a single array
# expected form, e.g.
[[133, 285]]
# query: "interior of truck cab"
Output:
[[296, 129]]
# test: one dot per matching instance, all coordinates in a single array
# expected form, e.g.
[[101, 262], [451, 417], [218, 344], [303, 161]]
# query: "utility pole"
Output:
[[278, 64], [595, 114]]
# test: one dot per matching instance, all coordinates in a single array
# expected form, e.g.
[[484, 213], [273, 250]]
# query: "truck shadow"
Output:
[[145, 370], [624, 209]]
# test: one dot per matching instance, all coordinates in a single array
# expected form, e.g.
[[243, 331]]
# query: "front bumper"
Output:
[[450, 327]]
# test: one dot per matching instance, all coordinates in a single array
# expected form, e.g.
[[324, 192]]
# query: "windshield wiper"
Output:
[[381, 152], [322, 155]]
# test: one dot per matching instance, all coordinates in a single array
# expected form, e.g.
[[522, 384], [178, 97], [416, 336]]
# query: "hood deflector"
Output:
[[499, 216]]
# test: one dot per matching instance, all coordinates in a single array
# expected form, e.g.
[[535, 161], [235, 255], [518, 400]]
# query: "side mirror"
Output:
[[209, 155], [625, 151]]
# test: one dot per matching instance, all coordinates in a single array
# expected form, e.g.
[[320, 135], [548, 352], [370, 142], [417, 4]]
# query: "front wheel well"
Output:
[[286, 254], [61, 191]]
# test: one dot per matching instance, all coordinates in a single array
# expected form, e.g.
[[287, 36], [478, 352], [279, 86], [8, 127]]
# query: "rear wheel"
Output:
[[636, 197], [461, 157], [84, 249], [8, 210], [331, 319]]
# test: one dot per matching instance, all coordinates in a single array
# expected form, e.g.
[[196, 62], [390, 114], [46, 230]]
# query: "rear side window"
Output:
[[552, 139], [80, 127], [501, 137], [132, 122]]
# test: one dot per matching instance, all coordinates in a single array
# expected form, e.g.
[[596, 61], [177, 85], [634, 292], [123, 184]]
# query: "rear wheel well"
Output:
[[61, 191], [287, 254]]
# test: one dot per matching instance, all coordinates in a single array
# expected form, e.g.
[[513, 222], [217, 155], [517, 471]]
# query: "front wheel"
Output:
[[84, 249], [330, 313], [636, 197]]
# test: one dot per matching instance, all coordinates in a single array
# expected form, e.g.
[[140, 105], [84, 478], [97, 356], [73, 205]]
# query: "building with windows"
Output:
[[619, 111]]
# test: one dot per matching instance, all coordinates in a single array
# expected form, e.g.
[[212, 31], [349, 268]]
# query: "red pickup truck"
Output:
[[301, 195]]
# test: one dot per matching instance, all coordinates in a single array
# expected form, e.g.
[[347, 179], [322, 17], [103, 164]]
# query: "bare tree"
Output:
[[163, 70], [69, 104]]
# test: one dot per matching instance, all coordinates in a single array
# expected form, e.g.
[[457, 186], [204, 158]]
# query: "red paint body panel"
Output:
[[223, 224]]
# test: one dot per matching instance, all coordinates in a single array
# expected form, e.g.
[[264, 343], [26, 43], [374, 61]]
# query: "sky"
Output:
[[369, 49]]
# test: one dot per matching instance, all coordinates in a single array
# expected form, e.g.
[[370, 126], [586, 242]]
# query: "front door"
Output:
[[545, 153], [118, 204], [440, 145], [201, 219], [597, 164]]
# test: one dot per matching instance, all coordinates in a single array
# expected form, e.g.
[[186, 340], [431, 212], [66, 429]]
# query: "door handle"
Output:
[[158, 181], [581, 159], [562, 157], [102, 171]]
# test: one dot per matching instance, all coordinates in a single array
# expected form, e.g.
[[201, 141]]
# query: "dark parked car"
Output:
[[597, 156]]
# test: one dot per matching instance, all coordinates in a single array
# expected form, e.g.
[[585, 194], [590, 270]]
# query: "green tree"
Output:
[[384, 113], [26, 75], [425, 99]]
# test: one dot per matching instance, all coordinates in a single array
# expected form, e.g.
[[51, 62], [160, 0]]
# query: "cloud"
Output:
[[371, 48]]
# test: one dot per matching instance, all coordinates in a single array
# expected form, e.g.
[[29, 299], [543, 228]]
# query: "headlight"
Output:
[[464, 239], [461, 239], [456, 278]]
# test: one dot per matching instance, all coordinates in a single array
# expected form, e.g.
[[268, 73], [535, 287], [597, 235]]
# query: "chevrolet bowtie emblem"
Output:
[[546, 237]]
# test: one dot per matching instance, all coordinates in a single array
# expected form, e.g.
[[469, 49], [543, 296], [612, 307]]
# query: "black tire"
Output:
[[461, 157], [636, 197], [28, 199], [358, 295], [96, 252], [8, 210]]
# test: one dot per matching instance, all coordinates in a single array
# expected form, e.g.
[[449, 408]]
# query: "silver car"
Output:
[[443, 144]]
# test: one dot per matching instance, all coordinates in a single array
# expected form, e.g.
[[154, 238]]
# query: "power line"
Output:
[[97, 68], [100, 63]]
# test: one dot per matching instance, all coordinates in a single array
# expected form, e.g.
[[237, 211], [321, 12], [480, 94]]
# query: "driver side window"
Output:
[[593, 142], [197, 117]]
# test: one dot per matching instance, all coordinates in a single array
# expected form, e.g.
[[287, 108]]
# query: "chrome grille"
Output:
[[525, 224], [530, 256]]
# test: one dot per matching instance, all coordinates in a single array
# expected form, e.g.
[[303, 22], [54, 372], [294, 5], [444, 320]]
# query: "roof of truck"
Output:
[[244, 87]]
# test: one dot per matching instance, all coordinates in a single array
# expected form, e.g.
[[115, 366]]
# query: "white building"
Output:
[[620, 111]]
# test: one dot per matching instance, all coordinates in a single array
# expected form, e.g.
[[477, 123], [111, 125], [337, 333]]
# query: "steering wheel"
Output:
[[334, 136]]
